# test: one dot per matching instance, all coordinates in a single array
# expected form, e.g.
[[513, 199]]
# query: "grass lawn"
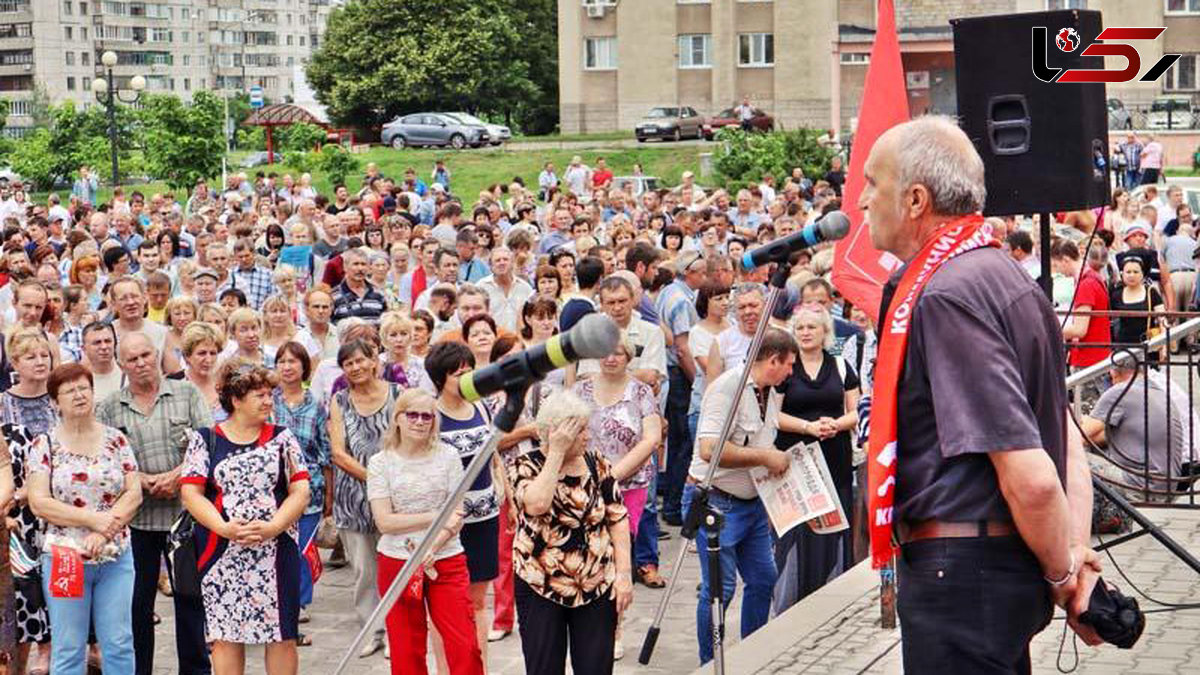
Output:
[[474, 170]]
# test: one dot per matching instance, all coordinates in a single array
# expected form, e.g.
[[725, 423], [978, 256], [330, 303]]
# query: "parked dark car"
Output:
[[728, 118], [422, 129], [671, 122]]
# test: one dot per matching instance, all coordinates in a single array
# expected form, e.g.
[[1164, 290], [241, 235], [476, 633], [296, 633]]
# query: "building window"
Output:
[[85, 59], [67, 6], [68, 32], [83, 33], [187, 59], [1066, 4], [1182, 75], [854, 58], [187, 84], [600, 53], [70, 84], [18, 108], [83, 9], [70, 58], [695, 51], [1182, 6], [756, 49]]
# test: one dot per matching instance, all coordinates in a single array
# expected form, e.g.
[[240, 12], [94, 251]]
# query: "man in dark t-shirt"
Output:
[[989, 525]]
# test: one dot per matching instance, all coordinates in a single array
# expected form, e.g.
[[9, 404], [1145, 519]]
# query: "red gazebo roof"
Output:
[[282, 114]]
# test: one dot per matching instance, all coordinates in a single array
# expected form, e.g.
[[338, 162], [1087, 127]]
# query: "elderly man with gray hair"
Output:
[[973, 468], [154, 413]]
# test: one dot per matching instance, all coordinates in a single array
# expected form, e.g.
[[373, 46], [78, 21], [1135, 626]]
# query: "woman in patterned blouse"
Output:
[[83, 481], [572, 547]]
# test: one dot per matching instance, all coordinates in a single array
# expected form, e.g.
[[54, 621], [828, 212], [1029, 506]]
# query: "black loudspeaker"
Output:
[[1044, 144]]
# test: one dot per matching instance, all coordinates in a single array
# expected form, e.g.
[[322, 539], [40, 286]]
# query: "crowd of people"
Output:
[[264, 368]]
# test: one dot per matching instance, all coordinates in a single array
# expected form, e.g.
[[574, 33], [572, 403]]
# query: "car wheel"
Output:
[[398, 142], [678, 136], [458, 142], [641, 139]]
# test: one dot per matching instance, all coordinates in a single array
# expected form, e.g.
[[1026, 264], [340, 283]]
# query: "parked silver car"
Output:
[[497, 132], [674, 122], [422, 129]]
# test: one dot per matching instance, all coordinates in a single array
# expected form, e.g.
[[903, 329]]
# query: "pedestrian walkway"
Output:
[[333, 628], [836, 630]]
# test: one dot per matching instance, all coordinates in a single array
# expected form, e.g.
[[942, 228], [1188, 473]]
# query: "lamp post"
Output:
[[108, 94]]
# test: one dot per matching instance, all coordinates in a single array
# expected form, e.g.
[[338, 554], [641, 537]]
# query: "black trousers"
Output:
[[149, 550], [970, 605], [547, 627]]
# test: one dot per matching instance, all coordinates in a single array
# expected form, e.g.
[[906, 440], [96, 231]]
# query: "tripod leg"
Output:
[[713, 521]]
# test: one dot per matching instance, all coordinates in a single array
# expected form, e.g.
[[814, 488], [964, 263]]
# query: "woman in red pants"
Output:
[[408, 481]]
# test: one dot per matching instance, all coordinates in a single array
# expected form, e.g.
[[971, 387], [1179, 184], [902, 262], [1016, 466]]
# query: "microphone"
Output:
[[594, 336], [831, 227]]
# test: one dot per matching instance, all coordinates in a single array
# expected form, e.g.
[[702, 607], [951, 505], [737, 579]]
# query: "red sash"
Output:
[[956, 237]]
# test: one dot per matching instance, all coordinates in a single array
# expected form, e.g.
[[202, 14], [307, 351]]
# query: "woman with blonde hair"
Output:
[[822, 394], [185, 274], [400, 365], [408, 482], [278, 327], [181, 311], [244, 329], [201, 347], [213, 313]]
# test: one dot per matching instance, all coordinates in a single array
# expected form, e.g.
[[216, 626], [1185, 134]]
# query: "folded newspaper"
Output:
[[803, 493]]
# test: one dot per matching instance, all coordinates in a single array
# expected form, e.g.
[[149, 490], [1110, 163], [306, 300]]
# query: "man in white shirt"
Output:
[[746, 540], [506, 293], [318, 338], [730, 348]]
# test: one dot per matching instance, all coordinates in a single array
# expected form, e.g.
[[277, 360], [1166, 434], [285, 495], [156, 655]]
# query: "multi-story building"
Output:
[[802, 60], [179, 46]]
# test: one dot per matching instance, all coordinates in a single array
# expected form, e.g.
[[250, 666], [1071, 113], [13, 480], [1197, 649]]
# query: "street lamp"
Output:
[[108, 94]]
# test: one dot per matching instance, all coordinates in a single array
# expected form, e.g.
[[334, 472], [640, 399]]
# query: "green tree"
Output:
[[337, 163], [80, 137], [183, 143], [33, 160], [537, 24], [381, 58], [743, 158], [300, 137]]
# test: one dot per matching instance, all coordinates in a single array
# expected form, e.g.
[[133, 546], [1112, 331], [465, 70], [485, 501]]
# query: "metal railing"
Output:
[[1169, 362]]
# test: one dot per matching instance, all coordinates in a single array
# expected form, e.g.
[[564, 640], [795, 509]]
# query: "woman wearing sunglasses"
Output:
[[408, 483]]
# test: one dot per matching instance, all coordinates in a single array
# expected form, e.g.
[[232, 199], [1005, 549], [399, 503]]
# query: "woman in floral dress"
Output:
[[246, 484]]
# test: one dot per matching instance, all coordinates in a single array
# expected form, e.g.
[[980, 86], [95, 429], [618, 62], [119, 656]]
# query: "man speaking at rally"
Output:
[[970, 447]]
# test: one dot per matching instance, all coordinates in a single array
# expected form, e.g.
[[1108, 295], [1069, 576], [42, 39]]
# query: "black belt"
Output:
[[713, 489]]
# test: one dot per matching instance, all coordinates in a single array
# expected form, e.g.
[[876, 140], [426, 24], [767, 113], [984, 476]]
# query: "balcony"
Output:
[[14, 6]]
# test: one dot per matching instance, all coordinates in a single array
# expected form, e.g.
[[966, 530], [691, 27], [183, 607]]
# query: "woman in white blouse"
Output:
[[408, 482]]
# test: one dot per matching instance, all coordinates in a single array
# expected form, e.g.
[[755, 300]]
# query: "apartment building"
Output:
[[179, 46], [804, 61]]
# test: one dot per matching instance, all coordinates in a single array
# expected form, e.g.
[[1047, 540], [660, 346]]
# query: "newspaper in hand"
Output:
[[804, 492]]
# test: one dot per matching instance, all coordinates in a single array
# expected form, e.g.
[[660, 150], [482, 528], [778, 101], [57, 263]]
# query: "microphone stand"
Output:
[[701, 511], [505, 422]]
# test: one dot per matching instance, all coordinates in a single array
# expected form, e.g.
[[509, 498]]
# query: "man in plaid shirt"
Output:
[[154, 413], [248, 277]]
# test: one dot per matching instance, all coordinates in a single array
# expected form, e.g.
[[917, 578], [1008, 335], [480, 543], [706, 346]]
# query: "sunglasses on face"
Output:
[[415, 416]]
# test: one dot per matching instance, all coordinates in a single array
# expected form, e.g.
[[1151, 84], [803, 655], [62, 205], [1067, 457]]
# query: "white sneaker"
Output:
[[618, 650], [497, 635], [387, 650], [304, 617], [373, 645]]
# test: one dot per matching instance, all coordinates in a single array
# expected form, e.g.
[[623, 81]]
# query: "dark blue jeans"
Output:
[[679, 441], [746, 549], [970, 605]]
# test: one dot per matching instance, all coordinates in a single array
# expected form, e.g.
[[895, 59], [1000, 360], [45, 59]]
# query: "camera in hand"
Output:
[[1115, 616]]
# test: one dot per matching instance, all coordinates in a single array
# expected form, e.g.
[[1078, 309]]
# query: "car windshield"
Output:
[[664, 112], [728, 112], [467, 119]]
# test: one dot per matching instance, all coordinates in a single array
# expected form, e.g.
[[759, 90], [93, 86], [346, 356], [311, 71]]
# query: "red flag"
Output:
[[312, 558], [859, 271]]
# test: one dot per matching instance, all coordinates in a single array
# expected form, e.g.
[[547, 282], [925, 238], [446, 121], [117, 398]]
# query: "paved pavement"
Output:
[[334, 627], [837, 631]]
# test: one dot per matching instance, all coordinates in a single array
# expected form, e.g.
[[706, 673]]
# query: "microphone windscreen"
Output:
[[595, 336], [835, 225]]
